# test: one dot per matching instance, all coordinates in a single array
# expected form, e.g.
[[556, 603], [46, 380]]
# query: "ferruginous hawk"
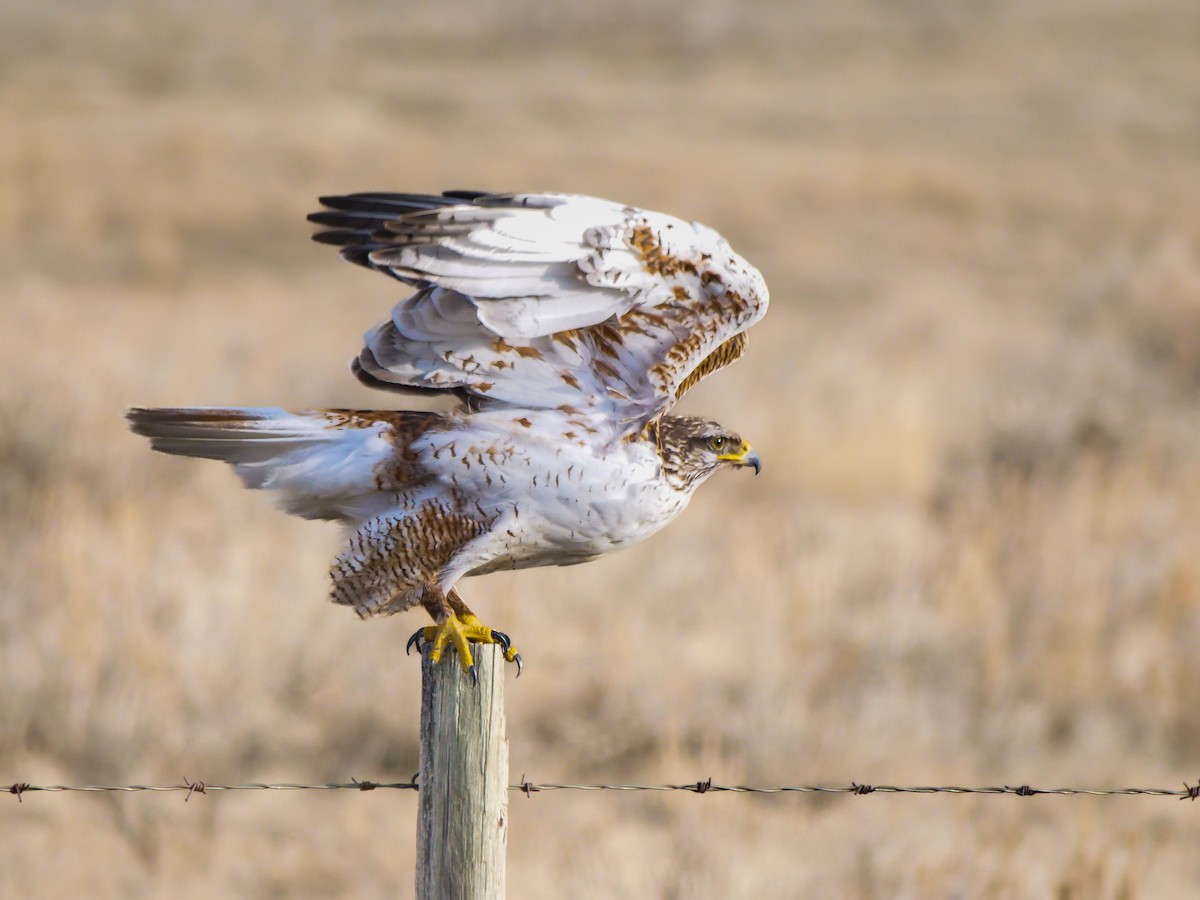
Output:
[[566, 327]]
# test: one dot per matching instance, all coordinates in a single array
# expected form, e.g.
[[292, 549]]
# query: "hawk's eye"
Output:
[[716, 443]]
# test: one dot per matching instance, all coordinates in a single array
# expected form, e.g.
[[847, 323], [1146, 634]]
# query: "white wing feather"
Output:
[[543, 301]]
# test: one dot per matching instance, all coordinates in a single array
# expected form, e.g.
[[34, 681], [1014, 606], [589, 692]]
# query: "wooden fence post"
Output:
[[462, 824]]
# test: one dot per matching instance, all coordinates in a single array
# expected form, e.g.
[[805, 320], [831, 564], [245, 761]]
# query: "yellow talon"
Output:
[[459, 631]]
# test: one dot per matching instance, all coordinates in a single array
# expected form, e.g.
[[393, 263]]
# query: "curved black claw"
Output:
[[505, 643], [474, 674], [414, 641]]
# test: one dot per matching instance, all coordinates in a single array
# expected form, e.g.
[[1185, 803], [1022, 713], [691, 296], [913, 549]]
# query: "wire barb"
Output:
[[525, 787], [193, 787]]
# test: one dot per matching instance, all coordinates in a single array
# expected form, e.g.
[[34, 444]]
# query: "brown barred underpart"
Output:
[[388, 562], [728, 352]]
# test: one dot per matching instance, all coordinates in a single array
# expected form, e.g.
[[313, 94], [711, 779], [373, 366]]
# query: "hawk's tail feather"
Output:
[[324, 464], [238, 435]]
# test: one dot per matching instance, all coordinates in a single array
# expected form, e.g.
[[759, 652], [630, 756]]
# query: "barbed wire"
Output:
[[706, 786]]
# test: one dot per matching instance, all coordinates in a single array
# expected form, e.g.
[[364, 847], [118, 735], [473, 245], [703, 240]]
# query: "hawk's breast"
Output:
[[552, 500]]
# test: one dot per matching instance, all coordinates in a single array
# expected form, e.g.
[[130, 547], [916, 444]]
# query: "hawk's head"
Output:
[[692, 449]]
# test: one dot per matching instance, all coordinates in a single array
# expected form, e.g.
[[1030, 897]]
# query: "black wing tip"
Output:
[[143, 419], [470, 196], [343, 237], [385, 202], [356, 220], [137, 417]]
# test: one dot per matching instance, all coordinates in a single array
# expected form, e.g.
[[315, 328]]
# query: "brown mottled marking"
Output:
[[484, 386], [683, 350], [570, 379], [653, 432], [568, 409], [403, 421], [524, 421], [402, 469], [737, 301], [681, 293], [569, 338], [605, 369], [453, 600], [653, 318], [607, 331], [366, 418], [500, 345], [605, 346], [628, 326], [654, 259]]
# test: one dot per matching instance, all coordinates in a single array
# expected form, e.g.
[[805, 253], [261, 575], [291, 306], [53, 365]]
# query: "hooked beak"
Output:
[[745, 456]]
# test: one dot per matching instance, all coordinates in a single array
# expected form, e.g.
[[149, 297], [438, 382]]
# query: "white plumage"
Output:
[[566, 327]]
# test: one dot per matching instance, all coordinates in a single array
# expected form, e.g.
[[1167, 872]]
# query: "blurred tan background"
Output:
[[972, 556]]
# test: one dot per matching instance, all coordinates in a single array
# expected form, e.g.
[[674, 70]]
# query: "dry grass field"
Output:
[[973, 556]]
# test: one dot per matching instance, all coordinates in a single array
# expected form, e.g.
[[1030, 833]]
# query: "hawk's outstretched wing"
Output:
[[547, 300]]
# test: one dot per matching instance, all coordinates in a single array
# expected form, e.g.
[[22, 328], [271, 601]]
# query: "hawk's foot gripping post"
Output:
[[458, 631]]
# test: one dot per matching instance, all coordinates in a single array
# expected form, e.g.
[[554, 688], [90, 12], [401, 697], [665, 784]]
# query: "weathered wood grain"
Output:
[[462, 826]]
